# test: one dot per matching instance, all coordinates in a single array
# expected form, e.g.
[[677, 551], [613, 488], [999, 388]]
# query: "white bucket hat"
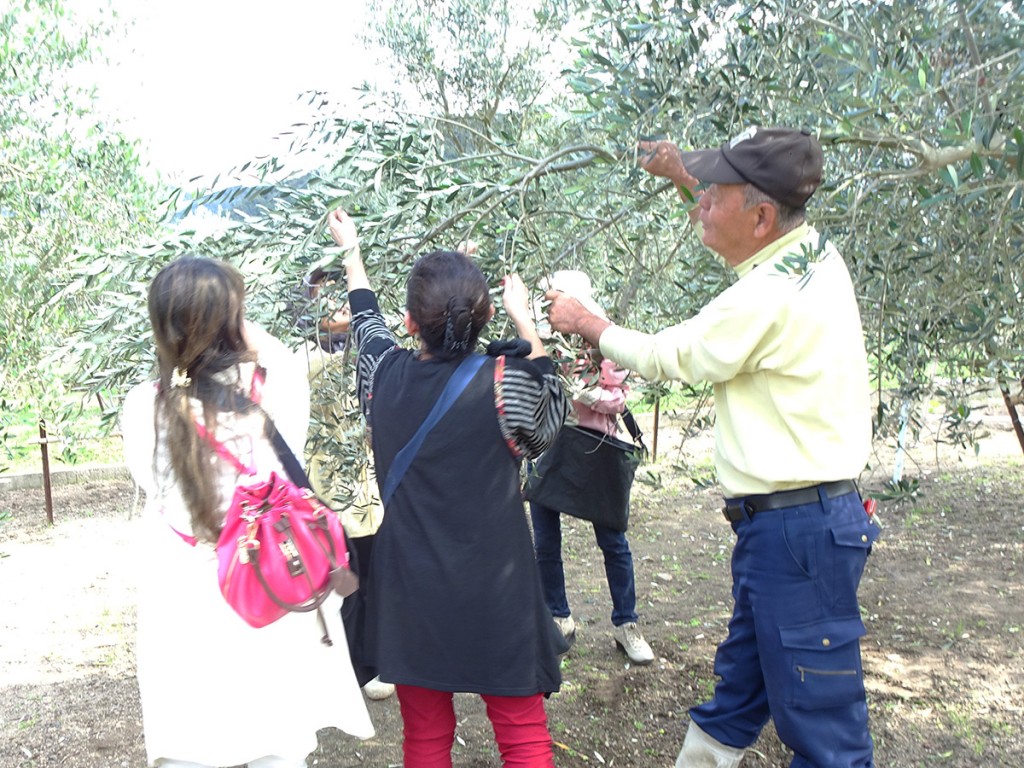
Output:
[[575, 283]]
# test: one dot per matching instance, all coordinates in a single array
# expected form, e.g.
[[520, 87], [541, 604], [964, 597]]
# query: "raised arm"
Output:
[[663, 158], [516, 301], [372, 336], [343, 230]]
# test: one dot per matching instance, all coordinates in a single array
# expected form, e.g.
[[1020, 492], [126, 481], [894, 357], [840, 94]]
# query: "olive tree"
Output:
[[67, 184], [918, 105], [920, 108]]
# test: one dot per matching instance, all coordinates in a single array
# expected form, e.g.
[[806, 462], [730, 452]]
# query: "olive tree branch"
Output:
[[538, 169], [616, 217]]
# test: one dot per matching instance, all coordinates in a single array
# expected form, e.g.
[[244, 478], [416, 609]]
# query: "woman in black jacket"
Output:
[[454, 600]]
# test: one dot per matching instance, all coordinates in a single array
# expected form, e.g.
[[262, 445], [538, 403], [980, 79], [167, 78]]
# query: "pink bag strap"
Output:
[[224, 453], [255, 394], [259, 378], [190, 540]]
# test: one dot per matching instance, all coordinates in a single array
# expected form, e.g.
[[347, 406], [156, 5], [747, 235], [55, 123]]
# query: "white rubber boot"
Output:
[[701, 751]]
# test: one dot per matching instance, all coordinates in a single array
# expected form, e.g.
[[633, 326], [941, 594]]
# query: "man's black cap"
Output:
[[782, 162]]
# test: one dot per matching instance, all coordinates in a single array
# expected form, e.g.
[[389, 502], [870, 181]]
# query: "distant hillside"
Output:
[[235, 203]]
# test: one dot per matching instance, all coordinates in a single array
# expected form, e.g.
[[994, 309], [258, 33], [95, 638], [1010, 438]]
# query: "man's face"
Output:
[[728, 226]]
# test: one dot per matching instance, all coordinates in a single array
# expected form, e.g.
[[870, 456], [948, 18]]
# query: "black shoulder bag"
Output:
[[588, 474]]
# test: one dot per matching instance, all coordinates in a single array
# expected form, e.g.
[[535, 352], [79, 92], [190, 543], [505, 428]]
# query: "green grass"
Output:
[[82, 441], [677, 397]]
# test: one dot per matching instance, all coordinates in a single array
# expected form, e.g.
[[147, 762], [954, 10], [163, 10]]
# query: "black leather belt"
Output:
[[747, 506]]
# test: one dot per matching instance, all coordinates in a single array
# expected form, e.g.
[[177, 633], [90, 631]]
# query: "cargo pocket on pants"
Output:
[[825, 667], [859, 535]]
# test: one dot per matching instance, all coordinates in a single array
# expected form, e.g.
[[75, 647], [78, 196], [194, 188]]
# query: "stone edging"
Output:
[[21, 481]]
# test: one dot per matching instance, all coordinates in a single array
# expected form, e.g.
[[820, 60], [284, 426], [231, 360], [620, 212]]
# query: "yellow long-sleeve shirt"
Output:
[[785, 353]]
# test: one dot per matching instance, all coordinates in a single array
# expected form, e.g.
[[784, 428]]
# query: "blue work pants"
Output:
[[793, 648]]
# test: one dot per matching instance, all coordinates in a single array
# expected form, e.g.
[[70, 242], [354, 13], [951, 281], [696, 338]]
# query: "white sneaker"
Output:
[[376, 690], [567, 626], [629, 639]]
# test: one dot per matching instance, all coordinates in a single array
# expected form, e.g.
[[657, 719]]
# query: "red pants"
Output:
[[520, 728]]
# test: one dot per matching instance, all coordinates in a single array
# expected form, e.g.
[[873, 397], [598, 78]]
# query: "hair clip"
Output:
[[180, 378]]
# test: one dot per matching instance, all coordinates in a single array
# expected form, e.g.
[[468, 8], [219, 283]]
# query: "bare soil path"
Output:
[[943, 600]]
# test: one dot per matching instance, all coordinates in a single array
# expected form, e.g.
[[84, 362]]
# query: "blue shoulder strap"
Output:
[[458, 381]]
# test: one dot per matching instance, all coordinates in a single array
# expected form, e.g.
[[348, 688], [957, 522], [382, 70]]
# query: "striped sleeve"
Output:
[[532, 405], [373, 339]]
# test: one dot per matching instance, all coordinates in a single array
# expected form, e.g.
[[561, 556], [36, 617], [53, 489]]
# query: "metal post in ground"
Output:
[[43, 441], [654, 441], [1012, 401]]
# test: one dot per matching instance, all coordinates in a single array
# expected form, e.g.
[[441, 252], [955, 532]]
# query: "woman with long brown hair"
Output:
[[214, 690]]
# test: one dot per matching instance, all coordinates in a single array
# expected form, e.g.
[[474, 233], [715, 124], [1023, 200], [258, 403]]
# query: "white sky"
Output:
[[207, 84]]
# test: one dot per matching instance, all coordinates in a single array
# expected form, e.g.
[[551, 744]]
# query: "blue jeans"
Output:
[[618, 565], [793, 648]]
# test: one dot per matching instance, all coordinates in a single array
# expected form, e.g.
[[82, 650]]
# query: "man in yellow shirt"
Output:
[[784, 349]]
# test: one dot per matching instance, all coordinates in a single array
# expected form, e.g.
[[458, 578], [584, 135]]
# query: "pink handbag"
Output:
[[281, 550]]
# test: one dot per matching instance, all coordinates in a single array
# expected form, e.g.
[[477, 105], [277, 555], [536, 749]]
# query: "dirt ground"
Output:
[[942, 598]]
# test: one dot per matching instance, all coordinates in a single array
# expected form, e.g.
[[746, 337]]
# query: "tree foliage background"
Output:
[[516, 126], [68, 185]]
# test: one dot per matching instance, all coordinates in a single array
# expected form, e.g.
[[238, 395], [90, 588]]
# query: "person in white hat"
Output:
[[598, 399]]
